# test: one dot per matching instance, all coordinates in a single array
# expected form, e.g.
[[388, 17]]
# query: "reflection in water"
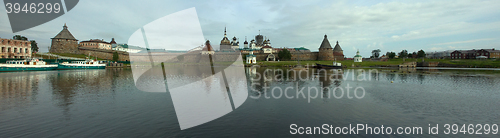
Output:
[[100, 103], [261, 79], [68, 84], [19, 88]]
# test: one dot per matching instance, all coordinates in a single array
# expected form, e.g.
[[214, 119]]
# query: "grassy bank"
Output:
[[76, 55], [466, 63], [44, 56]]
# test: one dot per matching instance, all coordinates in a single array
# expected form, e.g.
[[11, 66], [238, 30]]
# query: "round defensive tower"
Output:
[[64, 42], [338, 53], [325, 50]]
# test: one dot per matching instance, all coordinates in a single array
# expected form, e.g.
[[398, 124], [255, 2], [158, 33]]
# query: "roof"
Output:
[[301, 48], [65, 34], [267, 47], [337, 47], [235, 44], [251, 55], [112, 41], [358, 56], [96, 40], [491, 50], [123, 45], [208, 47], [465, 51], [325, 44]]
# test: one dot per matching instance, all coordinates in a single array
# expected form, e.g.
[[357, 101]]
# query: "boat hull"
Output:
[[27, 68], [81, 66], [321, 66]]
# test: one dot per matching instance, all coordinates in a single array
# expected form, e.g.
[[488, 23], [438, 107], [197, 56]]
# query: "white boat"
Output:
[[87, 64], [27, 65]]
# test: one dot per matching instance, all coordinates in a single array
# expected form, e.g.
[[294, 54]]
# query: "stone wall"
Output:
[[193, 57], [104, 54], [295, 56], [308, 56], [325, 54], [64, 46], [338, 55]]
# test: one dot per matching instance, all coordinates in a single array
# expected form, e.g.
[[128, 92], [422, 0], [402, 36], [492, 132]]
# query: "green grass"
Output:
[[44, 56], [464, 62]]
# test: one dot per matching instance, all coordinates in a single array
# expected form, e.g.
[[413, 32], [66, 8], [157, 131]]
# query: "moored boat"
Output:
[[334, 66], [87, 64], [27, 65]]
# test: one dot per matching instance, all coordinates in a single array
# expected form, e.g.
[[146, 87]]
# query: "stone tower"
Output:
[[225, 44], [338, 53], [64, 42], [325, 50]]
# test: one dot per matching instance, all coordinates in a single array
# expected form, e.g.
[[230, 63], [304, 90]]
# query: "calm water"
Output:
[[104, 103]]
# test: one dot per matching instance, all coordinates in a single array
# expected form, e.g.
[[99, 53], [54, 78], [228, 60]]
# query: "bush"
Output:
[[115, 56], [284, 55]]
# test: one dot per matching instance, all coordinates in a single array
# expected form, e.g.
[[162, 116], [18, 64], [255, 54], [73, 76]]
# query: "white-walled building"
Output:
[[251, 58], [267, 49], [96, 44], [127, 48], [358, 58]]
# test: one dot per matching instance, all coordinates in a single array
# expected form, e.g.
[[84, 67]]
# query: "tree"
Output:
[[391, 55], [403, 54], [34, 46], [376, 53], [284, 54], [19, 37], [115, 56], [421, 54], [410, 55]]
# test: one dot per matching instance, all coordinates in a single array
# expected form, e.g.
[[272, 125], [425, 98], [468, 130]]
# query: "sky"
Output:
[[388, 25]]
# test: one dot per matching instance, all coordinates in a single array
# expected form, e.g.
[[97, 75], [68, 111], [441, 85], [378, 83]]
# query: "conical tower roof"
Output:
[[208, 47], [325, 44], [337, 47], [65, 34]]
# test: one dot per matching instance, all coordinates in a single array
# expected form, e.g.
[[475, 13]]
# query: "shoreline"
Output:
[[392, 63]]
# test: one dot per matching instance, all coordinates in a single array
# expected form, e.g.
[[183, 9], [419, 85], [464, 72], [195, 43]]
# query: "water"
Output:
[[105, 103]]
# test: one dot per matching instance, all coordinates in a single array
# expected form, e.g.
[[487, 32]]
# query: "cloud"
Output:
[[393, 25]]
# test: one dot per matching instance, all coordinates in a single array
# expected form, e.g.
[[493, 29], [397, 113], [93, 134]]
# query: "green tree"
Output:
[[410, 55], [19, 37], [391, 55], [115, 56], [34, 46], [421, 54], [403, 54], [284, 55], [376, 53]]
